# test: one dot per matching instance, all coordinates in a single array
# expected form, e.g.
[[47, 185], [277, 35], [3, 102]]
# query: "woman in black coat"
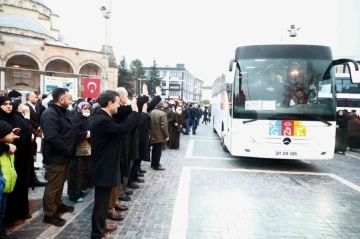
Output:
[[79, 176], [341, 132], [17, 207]]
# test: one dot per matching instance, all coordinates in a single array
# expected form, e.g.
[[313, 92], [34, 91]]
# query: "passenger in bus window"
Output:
[[300, 97]]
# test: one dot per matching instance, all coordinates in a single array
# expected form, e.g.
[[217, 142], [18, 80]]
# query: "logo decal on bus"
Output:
[[287, 128]]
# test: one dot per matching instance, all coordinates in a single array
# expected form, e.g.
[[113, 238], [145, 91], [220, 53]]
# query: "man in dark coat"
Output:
[[105, 152], [31, 102], [144, 141], [59, 149]]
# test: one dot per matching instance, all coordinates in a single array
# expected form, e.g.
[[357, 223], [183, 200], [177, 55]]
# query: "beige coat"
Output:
[[158, 126]]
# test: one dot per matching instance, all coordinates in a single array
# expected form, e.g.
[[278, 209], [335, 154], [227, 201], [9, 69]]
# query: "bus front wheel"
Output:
[[223, 144]]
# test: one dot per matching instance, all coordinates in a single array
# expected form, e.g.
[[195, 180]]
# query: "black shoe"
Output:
[[139, 180], [27, 216], [141, 175], [39, 184], [129, 192], [55, 220], [142, 171], [156, 166], [133, 186], [159, 168], [6, 236], [64, 208], [125, 198]]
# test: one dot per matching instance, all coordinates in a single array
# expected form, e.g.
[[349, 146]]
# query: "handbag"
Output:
[[84, 148]]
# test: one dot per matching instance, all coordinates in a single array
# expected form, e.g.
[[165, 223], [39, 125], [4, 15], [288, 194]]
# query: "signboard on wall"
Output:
[[52, 82]]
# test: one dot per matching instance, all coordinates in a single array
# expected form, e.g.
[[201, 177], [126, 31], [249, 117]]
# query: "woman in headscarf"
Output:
[[354, 133], [175, 125], [341, 132], [17, 207], [79, 176]]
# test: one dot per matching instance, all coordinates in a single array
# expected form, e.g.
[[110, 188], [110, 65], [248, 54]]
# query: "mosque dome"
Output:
[[24, 23]]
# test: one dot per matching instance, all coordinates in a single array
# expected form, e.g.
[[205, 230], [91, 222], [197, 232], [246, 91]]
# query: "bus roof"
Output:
[[274, 51]]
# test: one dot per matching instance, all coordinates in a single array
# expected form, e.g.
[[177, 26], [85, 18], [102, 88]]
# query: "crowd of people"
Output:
[[347, 131], [90, 143]]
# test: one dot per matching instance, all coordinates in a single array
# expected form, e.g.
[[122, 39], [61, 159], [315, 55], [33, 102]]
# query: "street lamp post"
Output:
[[106, 15]]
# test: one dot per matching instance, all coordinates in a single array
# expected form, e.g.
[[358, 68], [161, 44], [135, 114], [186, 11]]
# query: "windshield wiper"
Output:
[[321, 120], [248, 121]]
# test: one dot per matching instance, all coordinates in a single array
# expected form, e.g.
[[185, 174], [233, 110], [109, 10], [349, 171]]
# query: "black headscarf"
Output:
[[342, 120], [7, 117]]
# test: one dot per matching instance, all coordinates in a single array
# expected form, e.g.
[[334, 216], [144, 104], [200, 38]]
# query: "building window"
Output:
[[20, 4], [6, 1], [34, 7]]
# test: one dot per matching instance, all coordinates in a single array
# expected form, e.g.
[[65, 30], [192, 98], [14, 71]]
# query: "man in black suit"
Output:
[[31, 101], [105, 154]]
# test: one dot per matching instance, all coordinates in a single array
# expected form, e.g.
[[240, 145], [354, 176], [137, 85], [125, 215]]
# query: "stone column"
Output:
[[2, 80]]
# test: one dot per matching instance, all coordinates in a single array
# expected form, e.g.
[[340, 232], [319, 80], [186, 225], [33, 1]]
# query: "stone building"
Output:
[[34, 56]]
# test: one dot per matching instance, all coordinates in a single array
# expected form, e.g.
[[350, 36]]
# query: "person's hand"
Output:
[[32, 138], [134, 106], [176, 124], [145, 108], [16, 131], [158, 91], [145, 89], [26, 111], [337, 126], [167, 139], [12, 149]]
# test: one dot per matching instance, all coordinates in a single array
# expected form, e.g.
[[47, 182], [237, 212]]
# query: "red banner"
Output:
[[91, 87]]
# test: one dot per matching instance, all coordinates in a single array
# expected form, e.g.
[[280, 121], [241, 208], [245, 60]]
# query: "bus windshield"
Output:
[[284, 87]]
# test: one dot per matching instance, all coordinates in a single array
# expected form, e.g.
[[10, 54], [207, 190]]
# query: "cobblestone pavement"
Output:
[[206, 193]]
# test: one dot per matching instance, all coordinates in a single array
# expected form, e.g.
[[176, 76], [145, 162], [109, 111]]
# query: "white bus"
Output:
[[347, 93], [278, 101]]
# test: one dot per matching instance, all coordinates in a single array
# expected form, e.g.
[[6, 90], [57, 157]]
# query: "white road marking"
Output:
[[181, 207], [190, 149], [353, 156], [204, 157], [180, 215]]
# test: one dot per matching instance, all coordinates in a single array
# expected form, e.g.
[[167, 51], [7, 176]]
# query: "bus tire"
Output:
[[222, 139], [214, 130], [225, 148]]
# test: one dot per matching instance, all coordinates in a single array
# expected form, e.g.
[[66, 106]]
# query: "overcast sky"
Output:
[[202, 34]]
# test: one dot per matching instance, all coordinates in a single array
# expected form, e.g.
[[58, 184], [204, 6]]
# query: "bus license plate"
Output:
[[285, 153]]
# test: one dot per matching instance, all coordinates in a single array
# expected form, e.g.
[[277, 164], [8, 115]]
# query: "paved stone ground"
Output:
[[220, 196]]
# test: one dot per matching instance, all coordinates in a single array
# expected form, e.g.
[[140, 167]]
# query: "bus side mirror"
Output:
[[231, 65], [354, 71]]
